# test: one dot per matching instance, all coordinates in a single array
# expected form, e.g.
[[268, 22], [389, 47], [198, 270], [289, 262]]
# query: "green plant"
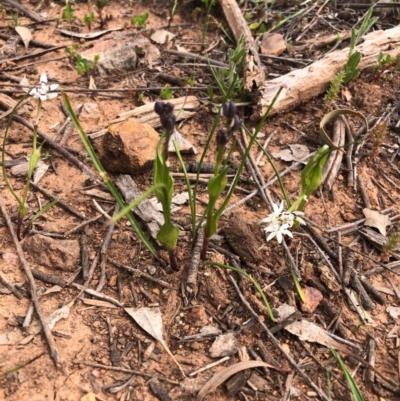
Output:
[[84, 66], [253, 281], [72, 51], [106, 179], [355, 391], [140, 21], [41, 94], [100, 5], [392, 243], [350, 70], [166, 93], [168, 233], [89, 19], [229, 79], [385, 63], [208, 4], [68, 14], [15, 21]]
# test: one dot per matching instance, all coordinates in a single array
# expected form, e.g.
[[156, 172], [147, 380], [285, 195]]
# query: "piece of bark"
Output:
[[303, 84], [152, 218], [254, 74], [334, 161], [243, 241]]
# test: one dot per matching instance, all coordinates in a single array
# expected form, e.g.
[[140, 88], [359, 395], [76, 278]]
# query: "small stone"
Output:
[[224, 345], [313, 298], [286, 348], [128, 147], [96, 324], [53, 253], [113, 280], [272, 44], [152, 270], [156, 291]]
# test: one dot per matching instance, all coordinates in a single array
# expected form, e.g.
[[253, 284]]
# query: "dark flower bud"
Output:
[[159, 108], [169, 108], [236, 123], [168, 121], [222, 138], [229, 109]]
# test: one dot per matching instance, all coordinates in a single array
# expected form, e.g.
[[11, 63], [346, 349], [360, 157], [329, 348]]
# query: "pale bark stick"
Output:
[[254, 74], [303, 84]]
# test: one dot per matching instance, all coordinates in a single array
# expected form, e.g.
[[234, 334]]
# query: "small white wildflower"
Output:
[[273, 218], [280, 222], [278, 232], [44, 92]]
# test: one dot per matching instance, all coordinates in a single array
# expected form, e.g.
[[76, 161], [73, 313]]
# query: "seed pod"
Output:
[[229, 110], [168, 121], [159, 108], [222, 138], [169, 108], [235, 123]]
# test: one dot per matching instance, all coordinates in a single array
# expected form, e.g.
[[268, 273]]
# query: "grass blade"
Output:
[[105, 176]]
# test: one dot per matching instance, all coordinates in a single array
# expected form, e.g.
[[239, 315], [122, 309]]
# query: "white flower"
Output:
[[273, 218], [278, 232], [280, 222], [44, 92]]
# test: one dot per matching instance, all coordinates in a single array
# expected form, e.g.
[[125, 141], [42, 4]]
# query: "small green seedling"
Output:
[[85, 66], [15, 21], [140, 21], [68, 14], [103, 18], [72, 51], [166, 93], [89, 19]]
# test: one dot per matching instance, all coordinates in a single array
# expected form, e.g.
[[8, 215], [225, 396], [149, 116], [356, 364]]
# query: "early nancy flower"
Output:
[[44, 92], [281, 221]]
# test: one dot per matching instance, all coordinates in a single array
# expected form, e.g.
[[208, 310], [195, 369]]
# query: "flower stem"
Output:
[[204, 249], [172, 261]]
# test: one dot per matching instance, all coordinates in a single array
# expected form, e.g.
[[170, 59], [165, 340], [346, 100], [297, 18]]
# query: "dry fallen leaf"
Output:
[[25, 34], [150, 320], [296, 153], [161, 36], [394, 311], [223, 375], [376, 220], [308, 331]]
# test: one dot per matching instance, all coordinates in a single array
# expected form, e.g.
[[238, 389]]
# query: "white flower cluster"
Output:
[[281, 222], [44, 92]]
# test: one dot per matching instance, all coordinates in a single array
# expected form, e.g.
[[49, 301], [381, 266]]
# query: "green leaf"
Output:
[[140, 20], [325, 138], [216, 185], [210, 92], [33, 161], [104, 175], [168, 235]]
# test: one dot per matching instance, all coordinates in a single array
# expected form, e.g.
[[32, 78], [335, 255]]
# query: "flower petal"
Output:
[[53, 87], [272, 235], [43, 78], [52, 95]]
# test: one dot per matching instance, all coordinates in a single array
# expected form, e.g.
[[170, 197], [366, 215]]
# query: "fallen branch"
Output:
[[253, 71], [303, 84]]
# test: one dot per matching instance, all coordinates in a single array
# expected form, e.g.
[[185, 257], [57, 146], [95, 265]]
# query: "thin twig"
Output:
[[32, 287], [292, 362]]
